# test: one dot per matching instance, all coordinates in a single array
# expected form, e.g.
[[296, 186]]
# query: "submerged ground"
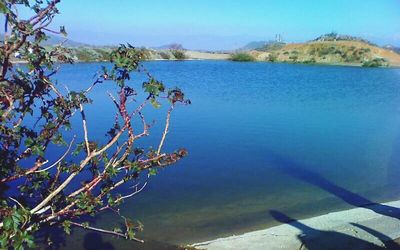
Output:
[[301, 140]]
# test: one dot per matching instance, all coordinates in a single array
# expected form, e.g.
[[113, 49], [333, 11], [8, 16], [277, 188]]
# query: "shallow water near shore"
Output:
[[303, 140]]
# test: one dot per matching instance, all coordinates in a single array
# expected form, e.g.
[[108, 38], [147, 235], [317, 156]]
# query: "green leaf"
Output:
[[152, 171], [155, 104], [30, 242], [3, 7], [67, 227], [131, 234], [37, 150], [29, 142], [8, 223], [3, 240]]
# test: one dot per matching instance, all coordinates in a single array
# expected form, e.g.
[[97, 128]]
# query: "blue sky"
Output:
[[226, 24]]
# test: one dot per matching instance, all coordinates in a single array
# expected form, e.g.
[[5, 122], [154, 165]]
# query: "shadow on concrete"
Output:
[[314, 239]]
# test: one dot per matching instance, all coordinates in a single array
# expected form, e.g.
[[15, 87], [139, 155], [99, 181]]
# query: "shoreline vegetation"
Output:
[[89, 54], [329, 49], [352, 53]]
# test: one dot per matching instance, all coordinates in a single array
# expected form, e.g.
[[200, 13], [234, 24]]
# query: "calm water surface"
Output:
[[303, 140]]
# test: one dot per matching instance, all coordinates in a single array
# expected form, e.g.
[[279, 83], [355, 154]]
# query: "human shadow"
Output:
[[389, 243], [94, 241], [314, 239], [300, 172]]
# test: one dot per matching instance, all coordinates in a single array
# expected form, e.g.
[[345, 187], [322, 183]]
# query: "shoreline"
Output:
[[356, 228], [355, 65], [203, 59]]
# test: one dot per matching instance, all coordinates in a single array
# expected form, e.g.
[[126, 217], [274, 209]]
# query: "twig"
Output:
[[60, 159], [132, 194], [11, 198], [105, 231], [164, 135], [85, 130]]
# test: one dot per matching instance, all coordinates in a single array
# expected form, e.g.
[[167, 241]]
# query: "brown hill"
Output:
[[330, 52]]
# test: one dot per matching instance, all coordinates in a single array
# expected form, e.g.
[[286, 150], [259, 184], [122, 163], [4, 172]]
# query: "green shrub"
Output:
[[366, 49], [165, 55], [242, 57], [310, 61], [326, 51], [294, 58], [179, 54], [376, 62], [144, 53], [104, 55], [84, 55], [339, 52], [272, 57], [272, 46]]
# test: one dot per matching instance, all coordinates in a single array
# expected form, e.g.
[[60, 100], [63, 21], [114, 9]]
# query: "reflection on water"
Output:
[[302, 140]]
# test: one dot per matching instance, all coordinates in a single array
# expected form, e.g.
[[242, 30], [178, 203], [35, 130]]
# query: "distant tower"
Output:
[[278, 38]]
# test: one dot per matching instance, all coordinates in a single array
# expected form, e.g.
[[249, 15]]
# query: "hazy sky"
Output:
[[226, 24]]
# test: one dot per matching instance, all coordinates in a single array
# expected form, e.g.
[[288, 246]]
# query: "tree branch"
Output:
[[105, 231], [164, 135]]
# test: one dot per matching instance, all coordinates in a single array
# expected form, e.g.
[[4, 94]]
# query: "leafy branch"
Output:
[[51, 192]]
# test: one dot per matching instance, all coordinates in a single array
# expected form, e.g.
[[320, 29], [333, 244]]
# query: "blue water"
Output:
[[304, 140]]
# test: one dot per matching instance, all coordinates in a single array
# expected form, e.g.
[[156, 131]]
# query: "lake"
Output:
[[301, 139]]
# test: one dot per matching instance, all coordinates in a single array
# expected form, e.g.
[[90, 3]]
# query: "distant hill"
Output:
[[262, 45], [333, 36], [55, 40], [172, 46], [349, 51], [82, 52], [393, 48], [254, 45]]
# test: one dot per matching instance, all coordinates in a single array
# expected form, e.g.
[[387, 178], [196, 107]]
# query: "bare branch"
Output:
[[137, 190], [85, 130], [16, 201], [164, 135], [105, 231], [60, 159], [37, 165]]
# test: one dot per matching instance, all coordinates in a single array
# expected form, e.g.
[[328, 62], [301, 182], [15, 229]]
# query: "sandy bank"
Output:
[[207, 55], [358, 228]]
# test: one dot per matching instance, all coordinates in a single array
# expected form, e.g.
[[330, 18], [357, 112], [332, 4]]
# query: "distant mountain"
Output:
[[172, 46], [254, 45], [392, 48], [55, 40], [262, 45]]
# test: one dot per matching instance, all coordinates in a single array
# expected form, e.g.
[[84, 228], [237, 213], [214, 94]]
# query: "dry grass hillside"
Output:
[[330, 52]]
